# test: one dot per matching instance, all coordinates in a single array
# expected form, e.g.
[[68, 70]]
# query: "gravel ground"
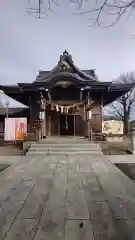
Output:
[[10, 151], [128, 169], [3, 166]]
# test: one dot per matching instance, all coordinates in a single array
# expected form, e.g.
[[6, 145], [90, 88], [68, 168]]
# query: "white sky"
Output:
[[28, 44]]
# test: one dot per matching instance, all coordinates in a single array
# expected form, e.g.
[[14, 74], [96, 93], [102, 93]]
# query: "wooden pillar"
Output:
[[30, 128], [84, 120], [49, 125], [59, 124], [45, 120], [74, 125], [102, 118], [42, 124], [133, 140], [88, 117], [81, 94], [84, 113], [89, 129]]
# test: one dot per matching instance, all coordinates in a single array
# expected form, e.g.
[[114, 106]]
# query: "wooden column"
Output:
[[81, 94], [84, 119], [59, 124], [30, 128], [42, 123], [44, 120], [89, 130], [74, 125], [49, 126], [88, 118], [101, 111], [133, 141]]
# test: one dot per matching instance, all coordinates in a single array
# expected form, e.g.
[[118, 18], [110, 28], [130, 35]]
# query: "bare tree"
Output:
[[97, 10], [125, 105], [41, 8], [106, 13]]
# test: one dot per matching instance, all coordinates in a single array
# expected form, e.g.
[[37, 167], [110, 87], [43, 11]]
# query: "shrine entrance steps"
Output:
[[64, 145]]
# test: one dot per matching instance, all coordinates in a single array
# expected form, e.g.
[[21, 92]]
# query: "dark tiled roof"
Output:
[[89, 71], [67, 65], [42, 76]]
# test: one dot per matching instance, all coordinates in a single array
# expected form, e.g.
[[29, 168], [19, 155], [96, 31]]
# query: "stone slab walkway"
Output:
[[121, 158], [66, 198]]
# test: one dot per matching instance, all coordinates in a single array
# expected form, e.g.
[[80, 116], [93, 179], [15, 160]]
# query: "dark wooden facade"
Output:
[[65, 95]]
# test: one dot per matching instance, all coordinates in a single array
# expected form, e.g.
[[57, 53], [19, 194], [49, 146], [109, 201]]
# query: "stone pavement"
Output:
[[66, 198], [122, 158]]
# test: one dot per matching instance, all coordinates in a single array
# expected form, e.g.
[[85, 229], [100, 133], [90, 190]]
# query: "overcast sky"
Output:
[[28, 44]]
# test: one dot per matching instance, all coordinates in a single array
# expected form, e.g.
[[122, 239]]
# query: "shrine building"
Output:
[[66, 100]]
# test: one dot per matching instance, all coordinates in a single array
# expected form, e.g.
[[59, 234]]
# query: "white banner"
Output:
[[9, 134], [12, 125], [89, 115]]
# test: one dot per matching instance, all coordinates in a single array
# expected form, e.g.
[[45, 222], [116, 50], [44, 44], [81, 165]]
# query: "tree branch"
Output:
[[38, 10], [125, 104], [115, 8], [117, 110]]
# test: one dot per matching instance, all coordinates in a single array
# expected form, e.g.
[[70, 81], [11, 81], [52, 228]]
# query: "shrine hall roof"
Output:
[[66, 72], [43, 75], [66, 67]]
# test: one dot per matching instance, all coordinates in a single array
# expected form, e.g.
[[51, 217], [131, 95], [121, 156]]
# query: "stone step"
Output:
[[63, 149], [65, 141], [64, 153], [57, 146], [62, 146]]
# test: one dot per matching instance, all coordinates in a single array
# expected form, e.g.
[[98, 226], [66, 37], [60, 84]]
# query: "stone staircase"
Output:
[[66, 146]]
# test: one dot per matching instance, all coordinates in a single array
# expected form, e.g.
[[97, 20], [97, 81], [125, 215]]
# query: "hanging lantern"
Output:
[[61, 109], [77, 108], [52, 108], [89, 114], [57, 108], [65, 110]]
